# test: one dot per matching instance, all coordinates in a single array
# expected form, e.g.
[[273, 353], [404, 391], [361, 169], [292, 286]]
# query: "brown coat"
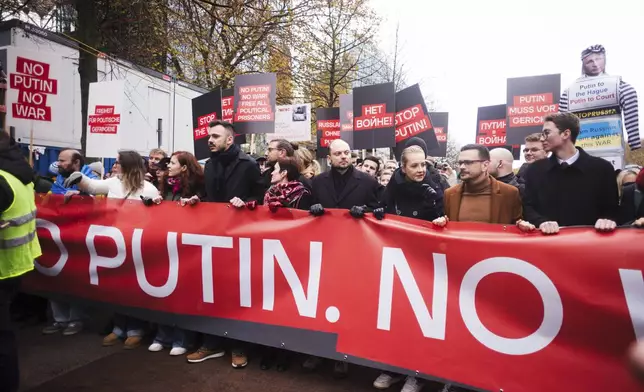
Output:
[[506, 205]]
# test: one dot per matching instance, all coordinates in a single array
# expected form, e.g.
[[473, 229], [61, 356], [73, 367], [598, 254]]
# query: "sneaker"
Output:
[[132, 342], [448, 388], [110, 339], [413, 385], [155, 347], [385, 380], [312, 363], [340, 369], [52, 329], [73, 329], [240, 360], [176, 351], [204, 354]]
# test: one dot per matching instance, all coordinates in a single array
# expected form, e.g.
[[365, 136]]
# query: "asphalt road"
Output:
[[79, 363]]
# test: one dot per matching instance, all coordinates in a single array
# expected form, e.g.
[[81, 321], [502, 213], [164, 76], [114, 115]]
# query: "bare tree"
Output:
[[211, 42], [332, 54], [397, 68]]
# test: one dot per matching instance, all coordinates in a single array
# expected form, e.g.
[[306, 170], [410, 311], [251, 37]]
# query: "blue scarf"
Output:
[[59, 189]]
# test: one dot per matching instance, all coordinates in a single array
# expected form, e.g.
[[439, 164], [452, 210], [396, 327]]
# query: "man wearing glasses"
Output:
[[480, 197], [571, 188]]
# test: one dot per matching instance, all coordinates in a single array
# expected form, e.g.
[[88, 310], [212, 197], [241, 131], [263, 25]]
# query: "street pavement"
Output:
[[79, 363]]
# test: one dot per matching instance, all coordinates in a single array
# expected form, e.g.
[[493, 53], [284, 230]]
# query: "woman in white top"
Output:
[[129, 183]]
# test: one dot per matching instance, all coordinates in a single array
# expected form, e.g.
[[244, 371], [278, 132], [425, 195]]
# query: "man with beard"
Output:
[[68, 317], [345, 187], [571, 188], [19, 247], [231, 176], [480, 197], [70, 161]]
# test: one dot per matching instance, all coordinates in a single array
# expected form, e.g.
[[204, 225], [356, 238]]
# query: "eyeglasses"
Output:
[[469, 163]]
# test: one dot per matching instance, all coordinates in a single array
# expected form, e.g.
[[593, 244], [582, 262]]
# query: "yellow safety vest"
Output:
[[19, 244]]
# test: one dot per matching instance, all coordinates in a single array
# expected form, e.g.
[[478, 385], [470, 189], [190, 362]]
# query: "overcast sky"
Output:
[[462, 51]]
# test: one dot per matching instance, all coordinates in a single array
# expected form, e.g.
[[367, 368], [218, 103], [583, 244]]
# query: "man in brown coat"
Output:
[[480, 197]]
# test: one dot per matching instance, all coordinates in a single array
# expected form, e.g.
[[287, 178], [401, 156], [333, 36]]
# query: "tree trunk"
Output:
[[87, 32]]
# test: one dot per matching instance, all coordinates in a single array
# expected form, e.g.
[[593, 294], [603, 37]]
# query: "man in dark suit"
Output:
[[571, 188], [231, 176], [344, 186]]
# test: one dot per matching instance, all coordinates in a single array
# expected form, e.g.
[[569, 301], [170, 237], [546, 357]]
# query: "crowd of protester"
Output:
[[559, 185]]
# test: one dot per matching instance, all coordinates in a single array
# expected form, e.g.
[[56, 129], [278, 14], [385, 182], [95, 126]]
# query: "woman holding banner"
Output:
[[130, 183], [411, 191], [183, 182]]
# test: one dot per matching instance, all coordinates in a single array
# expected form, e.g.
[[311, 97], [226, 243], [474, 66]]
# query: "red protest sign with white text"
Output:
[[484, 306]]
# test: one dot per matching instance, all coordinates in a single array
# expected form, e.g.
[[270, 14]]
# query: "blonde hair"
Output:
[[410, 150], [308, 161], [158, 151]]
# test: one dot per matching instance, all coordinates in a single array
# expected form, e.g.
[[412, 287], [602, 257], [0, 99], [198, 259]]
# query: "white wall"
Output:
[[148, 98]]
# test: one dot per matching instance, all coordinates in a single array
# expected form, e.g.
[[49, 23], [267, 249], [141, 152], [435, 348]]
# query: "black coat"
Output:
[[413, 199], [628, 211], [577, 195], [242, 179], [361, 189]]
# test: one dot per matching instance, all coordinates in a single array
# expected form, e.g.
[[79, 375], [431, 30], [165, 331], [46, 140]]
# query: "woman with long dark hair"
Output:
[[129, 183], [183, 178], [182, 181]]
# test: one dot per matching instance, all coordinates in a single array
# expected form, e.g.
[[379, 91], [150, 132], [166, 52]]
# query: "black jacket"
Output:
[[521, 173], [12, 161], [241, 179], [628, 211], [577, 195], [413, 199], [513, 180], [361, 189], [266, 179]]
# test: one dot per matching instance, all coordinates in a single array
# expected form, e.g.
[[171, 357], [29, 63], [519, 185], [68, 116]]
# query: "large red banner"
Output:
[[482, 305]]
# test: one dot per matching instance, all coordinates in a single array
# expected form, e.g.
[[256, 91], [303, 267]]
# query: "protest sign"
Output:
[[482, 306], [254, 103], [346, 118], [412, 120], [491, 130], [328, 129], [587, 94], [529, 100], [374, 110], [440, 122], [104, 121], [228, 110], [292, 123], [206, 108]]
